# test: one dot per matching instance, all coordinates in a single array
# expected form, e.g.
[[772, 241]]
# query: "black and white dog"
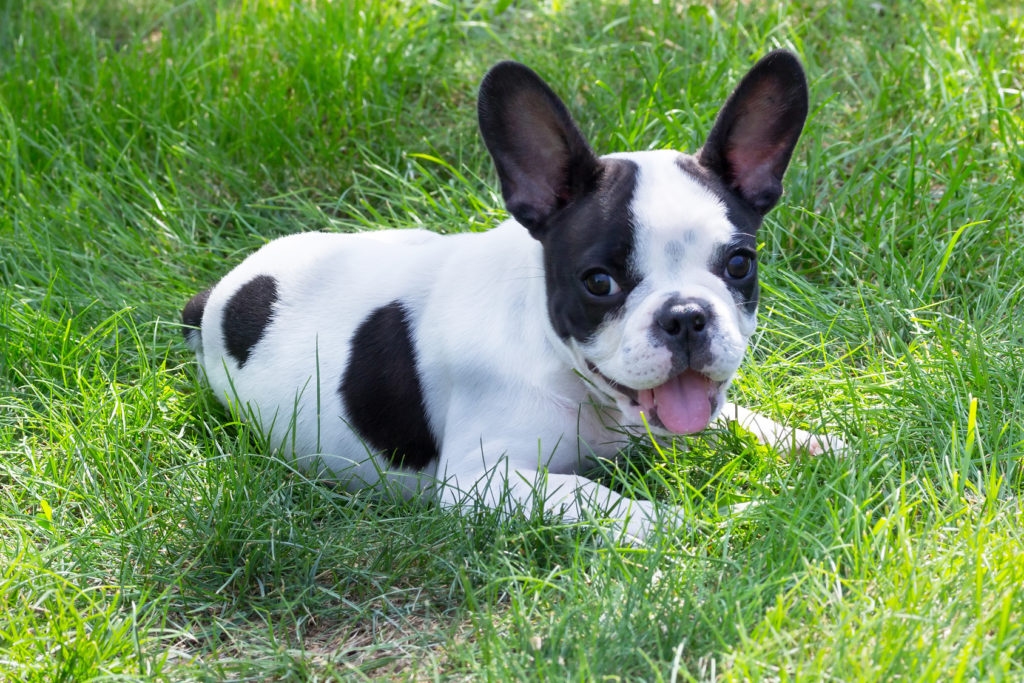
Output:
[[494, 367]]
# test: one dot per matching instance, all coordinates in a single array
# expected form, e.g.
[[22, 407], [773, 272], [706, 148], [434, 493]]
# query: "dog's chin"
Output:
[[685, 403]]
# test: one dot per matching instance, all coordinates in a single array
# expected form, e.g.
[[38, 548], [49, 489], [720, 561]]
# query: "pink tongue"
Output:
[[683, 402]]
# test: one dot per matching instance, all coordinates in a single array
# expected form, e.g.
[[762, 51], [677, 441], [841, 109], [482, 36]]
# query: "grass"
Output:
[[146, 146]]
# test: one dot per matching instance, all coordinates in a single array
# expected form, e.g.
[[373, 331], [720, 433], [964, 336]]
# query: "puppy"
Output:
[[493, 367]]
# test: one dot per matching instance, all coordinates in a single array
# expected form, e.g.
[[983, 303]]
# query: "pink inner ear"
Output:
[[759, 133], [539, 153], [749, 157], [757, 170], [754, 179], [755, 133]]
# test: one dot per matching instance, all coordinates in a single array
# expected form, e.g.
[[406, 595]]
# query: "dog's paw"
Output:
[[820, 444], [783, 438]]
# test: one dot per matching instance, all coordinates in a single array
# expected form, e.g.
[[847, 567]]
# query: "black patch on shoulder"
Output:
[[382, 392], [192, 314], [247, 314], [595, 231]]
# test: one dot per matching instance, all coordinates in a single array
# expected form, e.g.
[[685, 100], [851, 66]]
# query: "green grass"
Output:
[[146, 146]]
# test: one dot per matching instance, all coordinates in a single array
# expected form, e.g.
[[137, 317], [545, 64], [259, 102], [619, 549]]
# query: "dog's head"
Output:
[[650, 257]]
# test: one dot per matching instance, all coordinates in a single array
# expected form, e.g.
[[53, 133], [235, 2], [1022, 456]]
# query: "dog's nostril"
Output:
[[677, 320], [670, 324]]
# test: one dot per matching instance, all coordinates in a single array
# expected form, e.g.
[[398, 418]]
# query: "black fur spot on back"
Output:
[[247, 314], [381, 389], [192, 315]]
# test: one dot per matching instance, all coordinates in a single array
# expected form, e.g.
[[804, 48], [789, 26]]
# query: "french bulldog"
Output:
[[494, 367]]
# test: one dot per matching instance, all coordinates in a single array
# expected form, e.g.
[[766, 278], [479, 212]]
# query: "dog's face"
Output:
[[650, 257]]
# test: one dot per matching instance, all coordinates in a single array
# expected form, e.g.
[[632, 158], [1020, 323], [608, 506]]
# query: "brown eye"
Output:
[[738, 266], [600, 283]]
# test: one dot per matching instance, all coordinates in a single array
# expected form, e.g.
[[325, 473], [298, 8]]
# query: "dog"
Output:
[[494, 367]]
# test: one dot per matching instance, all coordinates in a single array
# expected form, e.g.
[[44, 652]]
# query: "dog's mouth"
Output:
[[683, 404]]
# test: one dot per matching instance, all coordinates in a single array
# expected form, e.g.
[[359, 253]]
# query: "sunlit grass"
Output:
[[146, 147]]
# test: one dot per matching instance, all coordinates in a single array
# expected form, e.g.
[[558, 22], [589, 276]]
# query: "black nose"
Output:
[[684, 319]]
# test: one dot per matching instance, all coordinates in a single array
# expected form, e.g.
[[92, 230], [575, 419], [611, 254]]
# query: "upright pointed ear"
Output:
[[542, 159], [754, 135]]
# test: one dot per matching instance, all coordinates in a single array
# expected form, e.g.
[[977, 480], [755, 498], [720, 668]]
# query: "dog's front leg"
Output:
[[569, 498], [771, 433]]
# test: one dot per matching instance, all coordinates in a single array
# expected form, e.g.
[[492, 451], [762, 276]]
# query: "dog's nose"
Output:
[[683, 319]]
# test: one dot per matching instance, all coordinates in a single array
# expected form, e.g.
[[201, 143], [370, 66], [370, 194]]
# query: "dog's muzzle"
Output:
[[683, 404]]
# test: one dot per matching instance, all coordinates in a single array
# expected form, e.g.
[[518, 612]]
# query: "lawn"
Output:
[[146, 146]]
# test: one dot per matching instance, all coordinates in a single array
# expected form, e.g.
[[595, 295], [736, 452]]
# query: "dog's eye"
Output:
[[738, 266], [600, 283]]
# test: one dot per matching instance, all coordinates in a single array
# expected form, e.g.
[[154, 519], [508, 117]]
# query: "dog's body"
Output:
[[495, 366]]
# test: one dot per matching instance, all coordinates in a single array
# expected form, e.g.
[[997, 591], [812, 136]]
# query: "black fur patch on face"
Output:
[[382, 392], [595, 232], [192, 314], [247, 314]]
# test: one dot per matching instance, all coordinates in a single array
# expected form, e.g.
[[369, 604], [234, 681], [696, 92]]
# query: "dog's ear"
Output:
[[754, 135], [543, 160]]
